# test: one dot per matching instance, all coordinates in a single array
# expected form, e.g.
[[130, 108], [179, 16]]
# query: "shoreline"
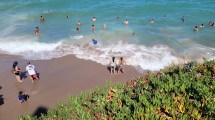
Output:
[[59, 79]]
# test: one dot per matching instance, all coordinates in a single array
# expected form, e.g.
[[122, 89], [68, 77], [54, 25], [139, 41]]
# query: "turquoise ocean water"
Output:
[[168, 40]]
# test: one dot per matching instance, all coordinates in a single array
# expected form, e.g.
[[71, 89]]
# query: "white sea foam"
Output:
[[140, 56], [77, 37]]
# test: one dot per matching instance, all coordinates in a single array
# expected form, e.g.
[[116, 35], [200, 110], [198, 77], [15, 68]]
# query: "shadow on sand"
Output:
[[1, 98], [40, 111]]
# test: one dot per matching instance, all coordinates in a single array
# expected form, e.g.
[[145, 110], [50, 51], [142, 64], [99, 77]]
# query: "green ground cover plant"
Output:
[[186, 92]]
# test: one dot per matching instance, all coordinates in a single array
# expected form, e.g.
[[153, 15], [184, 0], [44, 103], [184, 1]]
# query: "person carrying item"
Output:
[[31, 71]]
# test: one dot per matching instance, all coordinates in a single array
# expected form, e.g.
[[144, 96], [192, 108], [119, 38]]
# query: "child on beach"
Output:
[[17, 71], [121, 64], [22, 97]]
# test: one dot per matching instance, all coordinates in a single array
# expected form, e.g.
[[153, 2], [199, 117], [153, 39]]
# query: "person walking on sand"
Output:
[[37, 31], [112, 65], [17, 71], [121, 64], [31, 71]]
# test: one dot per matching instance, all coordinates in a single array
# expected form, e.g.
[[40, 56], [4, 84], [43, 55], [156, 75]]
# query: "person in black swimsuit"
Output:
[[17, 71]]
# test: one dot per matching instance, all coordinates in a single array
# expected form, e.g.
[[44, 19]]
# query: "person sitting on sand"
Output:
[[37, 31], [94, 19], [126, 22], [17, 71], [93, 28], [31, 71], [195, 29], [112, 65], [22, 97], [201, 26], [79, 23], [121, 64]]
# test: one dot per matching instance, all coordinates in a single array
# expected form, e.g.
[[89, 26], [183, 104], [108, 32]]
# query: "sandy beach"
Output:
[[59, 78]]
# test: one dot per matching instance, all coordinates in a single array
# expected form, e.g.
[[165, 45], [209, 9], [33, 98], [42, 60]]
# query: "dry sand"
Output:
[[59, 78]]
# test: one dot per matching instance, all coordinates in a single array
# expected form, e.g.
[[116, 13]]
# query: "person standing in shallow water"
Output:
[[42, 20], [93, 28], [37, 31], [94, 19]]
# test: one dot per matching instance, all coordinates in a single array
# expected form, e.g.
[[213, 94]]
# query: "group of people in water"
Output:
[[210, 24]]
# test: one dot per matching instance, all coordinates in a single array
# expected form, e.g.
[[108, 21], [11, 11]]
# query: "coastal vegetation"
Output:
[[178, 92]]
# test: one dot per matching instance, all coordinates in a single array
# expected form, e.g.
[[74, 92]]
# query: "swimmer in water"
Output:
[[93, 28], [151, 21], [79, 23], [37, 32], [67, 16], [164, 17], [134, 34], [182, 18], [77, 30], [201, 26], [104, 27], [94, 19], [126, 22], [117, 18], [195, 29], [42, 19]]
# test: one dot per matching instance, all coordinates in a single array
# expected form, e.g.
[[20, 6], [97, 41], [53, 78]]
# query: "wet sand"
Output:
[[59, 78]]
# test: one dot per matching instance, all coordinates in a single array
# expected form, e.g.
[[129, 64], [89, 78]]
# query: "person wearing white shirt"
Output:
[[31, 71]]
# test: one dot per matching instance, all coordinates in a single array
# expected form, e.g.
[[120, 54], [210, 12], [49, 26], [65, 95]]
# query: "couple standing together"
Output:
[[29, 68]]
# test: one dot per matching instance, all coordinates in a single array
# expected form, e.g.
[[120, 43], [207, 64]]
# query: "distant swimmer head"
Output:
[[195, 29], [201, 26]]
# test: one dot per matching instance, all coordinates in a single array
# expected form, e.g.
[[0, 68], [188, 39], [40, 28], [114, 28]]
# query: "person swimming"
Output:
[[37, 31], [151, 21], [126, 21], [79, 23], [201, 26], [77, 30], [104, 27], [182, 18], [164, 17], [42, 19], [195, 29], [94, 19], [95, 42], [93, 28]]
